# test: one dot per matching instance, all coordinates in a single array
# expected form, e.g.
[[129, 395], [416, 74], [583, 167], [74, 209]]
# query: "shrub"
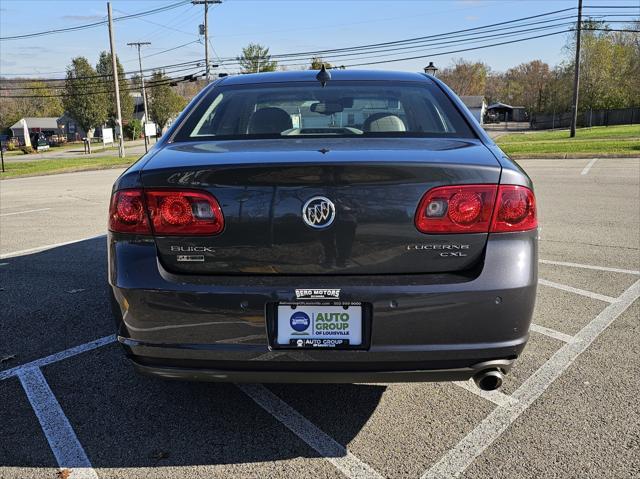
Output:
[[133, 129], [27, 150]]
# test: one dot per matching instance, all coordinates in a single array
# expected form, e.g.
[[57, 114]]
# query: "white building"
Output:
[[476, 105]]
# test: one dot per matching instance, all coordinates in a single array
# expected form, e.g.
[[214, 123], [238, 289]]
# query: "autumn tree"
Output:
[[256, 58], [104, 68], [528, 85], [465, 77], [164, 102], [84, 96]]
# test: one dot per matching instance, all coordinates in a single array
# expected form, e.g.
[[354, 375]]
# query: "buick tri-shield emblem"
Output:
[[318, 212]]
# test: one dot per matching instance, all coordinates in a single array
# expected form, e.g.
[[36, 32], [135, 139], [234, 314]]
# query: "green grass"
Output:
[[599, 141], [62, 165]]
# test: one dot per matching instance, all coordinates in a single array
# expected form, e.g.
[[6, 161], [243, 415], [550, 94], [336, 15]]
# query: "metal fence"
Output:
[[619, 116]]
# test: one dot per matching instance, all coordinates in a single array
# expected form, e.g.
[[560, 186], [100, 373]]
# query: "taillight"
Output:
[[184, 212], [476, 209], [172, 212], [456, 209], [127, 213], [515, 210]]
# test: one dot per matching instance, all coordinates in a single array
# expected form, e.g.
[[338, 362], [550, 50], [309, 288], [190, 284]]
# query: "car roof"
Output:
[[310, 76]]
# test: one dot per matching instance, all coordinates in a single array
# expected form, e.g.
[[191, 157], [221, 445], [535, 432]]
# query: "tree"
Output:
[[84, 96], [465, 77], [317, 62], [165, 103], [529, 84], [104, 68], [255, 58], [43, 101], [609, 66], [46, 101]]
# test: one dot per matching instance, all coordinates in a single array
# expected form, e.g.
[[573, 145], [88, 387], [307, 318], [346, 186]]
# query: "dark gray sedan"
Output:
[[300, 226]]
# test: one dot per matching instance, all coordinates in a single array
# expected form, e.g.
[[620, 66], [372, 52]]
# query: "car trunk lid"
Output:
[[374, 185]]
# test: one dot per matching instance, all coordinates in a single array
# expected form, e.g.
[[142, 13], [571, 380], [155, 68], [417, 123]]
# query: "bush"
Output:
[[133, 129], [27, 150], [11, 146]]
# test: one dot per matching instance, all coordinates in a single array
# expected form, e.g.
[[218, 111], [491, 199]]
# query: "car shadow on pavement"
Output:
[[57, 299]]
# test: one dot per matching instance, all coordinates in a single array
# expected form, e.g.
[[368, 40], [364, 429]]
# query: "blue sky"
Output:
[[283, 25]]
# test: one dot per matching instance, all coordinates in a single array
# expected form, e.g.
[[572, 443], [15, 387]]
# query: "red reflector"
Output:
[[456, 209], [126, 213], [176, 210], [465, 208], [515, 210], [184, 212]]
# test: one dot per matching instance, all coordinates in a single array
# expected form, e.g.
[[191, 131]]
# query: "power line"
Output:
[[164, 67], [96, 24], [103, 78], [476, 38], [454, 51], [162, 82], [446, 34]]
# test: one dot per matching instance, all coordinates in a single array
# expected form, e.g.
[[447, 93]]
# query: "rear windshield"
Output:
[[340, 109]]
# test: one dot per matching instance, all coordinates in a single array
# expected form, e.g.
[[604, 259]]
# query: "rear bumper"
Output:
[[253, 376], [424, 327]]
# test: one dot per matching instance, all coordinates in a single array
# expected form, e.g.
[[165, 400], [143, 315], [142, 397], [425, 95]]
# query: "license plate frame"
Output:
[[272, 326]]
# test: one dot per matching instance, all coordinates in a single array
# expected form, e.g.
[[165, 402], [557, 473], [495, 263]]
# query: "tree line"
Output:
[[609, 75], [609, 66], [87, 95]]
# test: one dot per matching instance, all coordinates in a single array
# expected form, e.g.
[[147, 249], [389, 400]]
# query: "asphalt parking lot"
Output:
[[69, 400]]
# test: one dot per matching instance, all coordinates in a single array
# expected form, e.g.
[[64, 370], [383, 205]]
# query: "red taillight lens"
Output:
[[127, 214], [515, 210], [183, 212], [470, 209], [456, 209]]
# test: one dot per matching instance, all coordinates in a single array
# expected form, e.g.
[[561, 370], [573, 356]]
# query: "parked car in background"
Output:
[[307, 227]]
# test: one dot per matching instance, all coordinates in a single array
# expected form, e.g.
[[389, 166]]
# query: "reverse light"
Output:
[[476, 209]]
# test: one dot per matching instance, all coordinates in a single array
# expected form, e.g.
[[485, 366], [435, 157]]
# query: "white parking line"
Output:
[[53, 358], [46, 247], [62, 439], [589, 266], [552, 333], [321, 442], [24, 212], [582, 292], [496, 397], [588, 167], [457, 459]]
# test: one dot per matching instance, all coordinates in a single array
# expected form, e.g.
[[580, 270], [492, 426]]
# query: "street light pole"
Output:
[[144, 93], [206, 4], [115, 82], [576, 77]]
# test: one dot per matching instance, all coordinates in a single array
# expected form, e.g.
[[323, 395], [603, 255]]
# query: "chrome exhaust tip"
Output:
[[489, 379]]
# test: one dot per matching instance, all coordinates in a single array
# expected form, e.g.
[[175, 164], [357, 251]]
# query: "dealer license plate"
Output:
[[319, 325]]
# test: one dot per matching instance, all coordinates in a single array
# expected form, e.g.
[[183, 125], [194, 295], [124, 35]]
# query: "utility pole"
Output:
[[206, 4], [576, 78], [116, 85], [144, 93]]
